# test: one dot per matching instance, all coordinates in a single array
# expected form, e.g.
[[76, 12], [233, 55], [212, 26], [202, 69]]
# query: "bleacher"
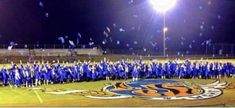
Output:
[[49, 52]]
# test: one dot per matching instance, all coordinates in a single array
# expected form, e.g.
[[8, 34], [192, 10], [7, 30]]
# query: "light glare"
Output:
[[165, 29], [163, 5]]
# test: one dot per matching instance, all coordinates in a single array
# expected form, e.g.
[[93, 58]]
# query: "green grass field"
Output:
[[25, 97]]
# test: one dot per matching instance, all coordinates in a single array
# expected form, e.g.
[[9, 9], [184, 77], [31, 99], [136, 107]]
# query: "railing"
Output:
[[209, 50], [221, 50], [47, 46]]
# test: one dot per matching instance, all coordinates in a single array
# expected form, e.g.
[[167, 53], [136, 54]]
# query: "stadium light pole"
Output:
[[162, 6]]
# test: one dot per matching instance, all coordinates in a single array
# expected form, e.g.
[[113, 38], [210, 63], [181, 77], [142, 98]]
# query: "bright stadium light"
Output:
[[165, 29], [163, 6]]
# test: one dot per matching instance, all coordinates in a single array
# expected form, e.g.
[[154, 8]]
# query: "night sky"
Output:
[[133, 24]]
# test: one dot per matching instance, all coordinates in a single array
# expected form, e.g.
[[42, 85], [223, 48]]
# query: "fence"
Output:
[[215, 50], [48, 46]]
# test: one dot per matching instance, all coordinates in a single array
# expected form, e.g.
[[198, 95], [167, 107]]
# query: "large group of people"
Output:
[[44, 73]]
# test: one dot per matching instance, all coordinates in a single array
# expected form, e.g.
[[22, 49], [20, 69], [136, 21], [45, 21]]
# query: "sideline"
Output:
[[38, 96]]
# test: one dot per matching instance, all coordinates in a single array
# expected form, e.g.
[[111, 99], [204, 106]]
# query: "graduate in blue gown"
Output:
[[44, 74], [220, 67], [154, 69], [126, 72], [4, 76], [53, 75], [93, 73], [173, 69], [142, 70], [227, 70], [78, 70], [180, 70], [12, 76], [68, 74], [74, 73], [233, 71], [60, 73], [206, 70], [200, 71], [168, 70], [21, 70], [1, 77], [148, 70], [48, 74], [211, 70], [106, 71], [29, 80], [64, 73], [216, 71], [117, 70], [136, 71], [113, 72], [17, 78], [88, 72], [130, 69], [188, 69], [161, 71], [100, 72], [194, 71], [120, 70]]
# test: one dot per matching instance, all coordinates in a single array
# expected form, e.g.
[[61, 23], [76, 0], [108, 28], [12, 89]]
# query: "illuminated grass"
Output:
[[25, 97]]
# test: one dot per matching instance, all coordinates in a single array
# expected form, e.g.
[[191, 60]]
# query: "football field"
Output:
[[40, 96]]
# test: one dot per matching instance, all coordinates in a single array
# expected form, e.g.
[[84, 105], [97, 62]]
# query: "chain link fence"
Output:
[[213, 50], [48, 46]]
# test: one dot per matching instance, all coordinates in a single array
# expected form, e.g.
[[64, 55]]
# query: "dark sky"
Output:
[[190, 22]]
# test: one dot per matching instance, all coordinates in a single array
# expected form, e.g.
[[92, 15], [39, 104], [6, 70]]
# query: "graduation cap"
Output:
[[104, 42], [153, 43], [77, 41], [190, 46], [135, 42], [208, 42], [135, 16], [47, 14], [79, 35], [72, 43], [66, 37], [130, 1], [114, 25], [91, 43], [108, 29], [118, 42], [62, 40], [201, 27], [10, 47], [121, 30], [41, 4], [106, 34], [13, 44]]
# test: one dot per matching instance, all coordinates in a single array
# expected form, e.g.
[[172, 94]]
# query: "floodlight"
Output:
[[163, 5]]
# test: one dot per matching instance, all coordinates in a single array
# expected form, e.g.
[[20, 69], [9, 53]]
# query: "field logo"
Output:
[[162, 90]]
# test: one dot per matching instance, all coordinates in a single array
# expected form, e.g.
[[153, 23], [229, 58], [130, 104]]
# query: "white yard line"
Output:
[[38, 96]]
